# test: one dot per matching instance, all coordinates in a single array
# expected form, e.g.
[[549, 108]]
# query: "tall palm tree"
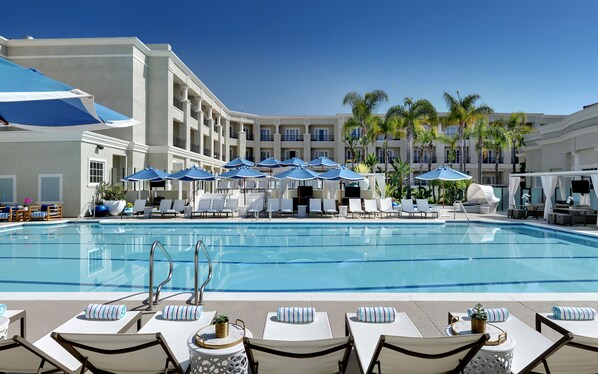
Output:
[[363, 107], [498, 140], [427, 137], [517, 127], [464, 112], [411, 115], [351, 143], [480, 133], [451, 143], [388, 128]]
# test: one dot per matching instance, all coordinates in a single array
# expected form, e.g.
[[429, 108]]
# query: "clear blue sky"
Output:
[[302, 57]]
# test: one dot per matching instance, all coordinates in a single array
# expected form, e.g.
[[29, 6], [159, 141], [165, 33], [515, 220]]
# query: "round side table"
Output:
[[231, 360], [4, 327]]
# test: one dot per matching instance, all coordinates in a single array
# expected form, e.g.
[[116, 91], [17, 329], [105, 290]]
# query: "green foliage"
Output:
[[421, 193], [105, 191], [221, 319], [361, 169], [370, 160], [479, 313]]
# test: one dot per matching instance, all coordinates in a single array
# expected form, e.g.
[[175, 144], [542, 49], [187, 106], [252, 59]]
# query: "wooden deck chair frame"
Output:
[[254, 365], [19, 342], [71, 347], [472, 347]]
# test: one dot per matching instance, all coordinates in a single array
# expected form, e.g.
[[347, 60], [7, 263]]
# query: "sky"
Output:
[[288, 57]]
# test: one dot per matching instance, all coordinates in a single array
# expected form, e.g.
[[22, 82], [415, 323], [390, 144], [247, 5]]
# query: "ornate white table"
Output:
[[4, 327], [231, 360]]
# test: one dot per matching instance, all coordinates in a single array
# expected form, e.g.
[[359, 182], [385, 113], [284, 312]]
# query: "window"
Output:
[[291, 135], [96, 171], [451, 131], [265, 135], [320, 154], [8, 187], [356, 133], [291, 154], [321, 135], [50, 187], [265, 154]]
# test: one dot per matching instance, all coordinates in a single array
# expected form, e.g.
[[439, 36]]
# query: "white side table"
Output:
[[147, 212], [231, 360], [342, 211], [4, 327], [302, 211]]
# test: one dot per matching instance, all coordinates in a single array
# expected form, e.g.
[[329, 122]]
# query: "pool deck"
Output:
[[428, 311]]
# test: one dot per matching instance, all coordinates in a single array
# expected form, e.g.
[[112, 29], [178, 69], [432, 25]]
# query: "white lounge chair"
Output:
[[355, 207], [15, 315], [176, 332], [370, 207], [204, 206], [385, 206], [255, 207], [315, 206], [139, 207], [231, 206], [407, 207], [318, 329], [424, 207], [177, 207], [217, 207], [121, 353], [17, 355], [273, 206], [286, 206], [330, 206], [165, 205]]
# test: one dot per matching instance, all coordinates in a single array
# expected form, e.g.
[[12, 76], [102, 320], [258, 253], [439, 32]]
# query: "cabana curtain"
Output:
[[548, 185], [513, 187]]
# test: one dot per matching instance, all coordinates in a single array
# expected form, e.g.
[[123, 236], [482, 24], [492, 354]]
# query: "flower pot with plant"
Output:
[[112, 196], [479, 317], [221, 326]]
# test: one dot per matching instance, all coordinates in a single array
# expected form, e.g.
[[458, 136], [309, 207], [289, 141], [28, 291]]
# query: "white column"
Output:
[[211, 137]]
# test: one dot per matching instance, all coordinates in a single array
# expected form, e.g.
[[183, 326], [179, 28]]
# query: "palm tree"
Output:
[[452, 143], [498, 140], [351, 143], [363, 118], [388, 128], [480, 133], [517, 127], [464, 112], [411, 115], [427, 137]]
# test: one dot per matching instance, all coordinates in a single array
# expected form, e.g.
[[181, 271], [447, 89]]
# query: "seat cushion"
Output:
[[39, 214]]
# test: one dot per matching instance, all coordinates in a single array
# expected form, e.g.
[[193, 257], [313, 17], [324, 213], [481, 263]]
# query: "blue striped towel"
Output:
[[182, 312], [494, 314], [296, 314], [376, 314], [573, 313], [102, 311], [2, 309]]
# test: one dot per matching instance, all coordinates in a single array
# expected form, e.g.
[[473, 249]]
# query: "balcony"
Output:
[[178, 142], [267, 137], [217, 156], [233, 135], [206, 152], [195, 115], [322, 138], [178, 103], [390, 159], [292, 138], [492, 160], [195, 148], [249, 136], [206, 122], [250, 158], [417, 160]]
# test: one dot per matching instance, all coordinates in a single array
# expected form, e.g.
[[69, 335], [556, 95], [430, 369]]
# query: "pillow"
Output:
[[376, 314], [182, 312], [573, 313], [5, 209], [296, 314], [494, 314], [44, 207], [107, 312]]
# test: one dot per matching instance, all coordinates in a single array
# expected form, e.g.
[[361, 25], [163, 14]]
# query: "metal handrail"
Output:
[[151, 302], [86, 207], [463, 208], [198, 295]]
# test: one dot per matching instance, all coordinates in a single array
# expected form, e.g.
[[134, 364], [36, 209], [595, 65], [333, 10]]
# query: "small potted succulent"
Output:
[[478, 319], [221, 326]]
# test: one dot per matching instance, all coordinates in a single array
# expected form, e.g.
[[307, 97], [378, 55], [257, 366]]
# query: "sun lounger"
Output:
[[407, 207], [330, 206], [322, 356], [45, 212], [175, 333], [177, 207], [355, 207], [424, 207], [17, 355], [273, 206], [286, 206], [315, 206], [14, 316], [204, 206], [121, 353], [230, 206], [217, 207], [367, 335], [255, 207], [139, 207], [385, 206], [165, 205], [318, 329], [370, 207]]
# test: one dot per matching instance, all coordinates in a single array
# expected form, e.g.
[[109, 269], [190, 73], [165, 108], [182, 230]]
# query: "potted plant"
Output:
[[221, 326], [478, 319], [112, 196]]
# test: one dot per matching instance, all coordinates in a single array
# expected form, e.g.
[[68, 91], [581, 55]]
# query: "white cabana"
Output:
[[482, 195]]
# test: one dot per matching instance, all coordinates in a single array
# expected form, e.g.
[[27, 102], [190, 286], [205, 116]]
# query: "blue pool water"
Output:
[[269, 257]]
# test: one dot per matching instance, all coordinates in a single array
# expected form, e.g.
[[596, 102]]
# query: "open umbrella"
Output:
[[444, 173], [237, 163], [295, 161], [192, 174], [30, 100], [341, 174], [297, 174], [323, 161], [270, 163], [148, 174], [243, 173]]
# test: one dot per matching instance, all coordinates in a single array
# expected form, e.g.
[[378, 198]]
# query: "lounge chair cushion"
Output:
[[494, 314], [573, 313], [45, 207], [377, 314], [2, 309], [102, 311], [182, 312], [4, 215], [5, 209], [296, 314], [39, 214]]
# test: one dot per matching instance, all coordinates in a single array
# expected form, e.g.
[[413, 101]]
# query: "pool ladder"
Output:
[[199, 291], [463, 208]]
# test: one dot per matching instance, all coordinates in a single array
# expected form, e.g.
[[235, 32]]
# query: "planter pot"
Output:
[[115, 207], [221, 330], [478, 326], [101, 211]]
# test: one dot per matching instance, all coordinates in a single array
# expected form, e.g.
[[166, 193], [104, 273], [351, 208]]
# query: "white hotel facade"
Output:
[[182, 123]]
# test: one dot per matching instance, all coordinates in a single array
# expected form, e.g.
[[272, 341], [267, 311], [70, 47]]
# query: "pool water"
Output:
[[301, 257]]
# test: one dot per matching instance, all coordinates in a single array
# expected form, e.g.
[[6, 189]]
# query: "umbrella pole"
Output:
[[443, 194], [244, 193]]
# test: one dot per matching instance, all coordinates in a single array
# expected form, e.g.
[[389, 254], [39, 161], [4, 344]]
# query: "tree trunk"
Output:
[[385, 154], [513, 154], [462, 148], [480, 165], [408, 155], [430, 157], [496, 167]]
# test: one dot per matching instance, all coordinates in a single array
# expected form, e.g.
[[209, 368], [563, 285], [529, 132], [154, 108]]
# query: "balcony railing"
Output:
[[417, 160], [249, 136], [457, 160], [217, 156], [194, 148], [178, 103], [267, 137], [292, 138], [206, 152], [233, 135], [390, 159], [250, 158], [178, 142], [206, 122], [322, 138], [195, 115], [492, 160]]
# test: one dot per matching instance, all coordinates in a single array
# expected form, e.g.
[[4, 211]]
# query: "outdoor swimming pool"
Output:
[[301, 257]]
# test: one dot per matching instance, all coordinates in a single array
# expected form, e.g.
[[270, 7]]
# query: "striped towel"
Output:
[[182, 312], [296, 314], [101, 311], [573, 313], [376, 314], [2, 309], [494, 314]]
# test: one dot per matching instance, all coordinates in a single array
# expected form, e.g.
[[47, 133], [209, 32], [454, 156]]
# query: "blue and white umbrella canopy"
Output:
[[444, 173], [237, 163], [194, 173], [147, 174], [30, 100], [297, 174], [270, 162], [323, 161], [341, 173], [242, 173], [295, 161]]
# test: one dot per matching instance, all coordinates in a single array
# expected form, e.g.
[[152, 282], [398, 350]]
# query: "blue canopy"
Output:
[[193, 173], [341, 173], [242, 173], [323, 161], [270, 162], [237, 163], [444, 173], [147, 174], [30, 100], [295, 161], [297, 174]]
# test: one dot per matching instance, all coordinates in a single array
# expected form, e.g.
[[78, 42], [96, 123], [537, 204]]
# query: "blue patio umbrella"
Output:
[[30, 100], [237, 163], [194, 173], [148, 174], [295, 161], [323, 161], [341, 173], [443, 173], [297, 174], [243, 173]]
